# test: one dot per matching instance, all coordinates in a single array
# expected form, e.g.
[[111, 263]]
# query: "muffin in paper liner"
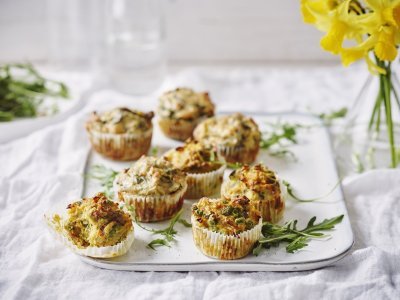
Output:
[[99, 252], [258, 183], [56, 224], [181, 109], [204, 184], [153, 187], [235, 136], [152, 208], [226, 228], [222, 246], [125, 146], [233, 154]]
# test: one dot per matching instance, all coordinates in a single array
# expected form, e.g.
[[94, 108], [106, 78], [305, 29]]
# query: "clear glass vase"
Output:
[[135, 45], [370, 137]]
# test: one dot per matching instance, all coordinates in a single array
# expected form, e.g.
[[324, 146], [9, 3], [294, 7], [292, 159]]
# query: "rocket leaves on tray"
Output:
[[106, 178], [168, 233], [23, 90], [279, 137], [296, 239]]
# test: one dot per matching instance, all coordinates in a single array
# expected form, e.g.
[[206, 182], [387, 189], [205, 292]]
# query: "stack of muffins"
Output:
[[227, 220]]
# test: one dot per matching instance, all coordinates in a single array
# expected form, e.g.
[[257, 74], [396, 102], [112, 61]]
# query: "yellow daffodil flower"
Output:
[[373, 24]]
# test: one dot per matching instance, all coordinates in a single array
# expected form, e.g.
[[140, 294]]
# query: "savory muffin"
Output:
[[202, 164], [257, 183], [236, 137], [95, 227], [226, 228], [180, 111], [121, 133], [153, 187]]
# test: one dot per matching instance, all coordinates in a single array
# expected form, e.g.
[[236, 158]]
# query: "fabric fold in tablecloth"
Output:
[[46, 168]]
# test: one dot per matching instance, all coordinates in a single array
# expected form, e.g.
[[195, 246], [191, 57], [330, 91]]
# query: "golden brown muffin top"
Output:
[[226, 216], [235, 130], [185, 104], [120, 120], [97, 222], [150, 176], [194, 157]]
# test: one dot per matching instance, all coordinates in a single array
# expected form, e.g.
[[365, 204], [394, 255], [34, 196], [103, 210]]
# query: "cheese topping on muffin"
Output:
[[256, 183], [230, 217], [96, 222], [120, 120], [194, 157], [234, 130], [184, 103], [151, 176]]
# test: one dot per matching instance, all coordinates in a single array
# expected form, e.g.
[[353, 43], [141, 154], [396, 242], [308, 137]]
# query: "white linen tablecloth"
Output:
[[46, 167]]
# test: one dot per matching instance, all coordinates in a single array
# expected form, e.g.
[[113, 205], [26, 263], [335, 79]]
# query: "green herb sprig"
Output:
[[23, 90], [279, 137], [168, 234], [291, 192], [106, 178], [329, 117], [297, 239]]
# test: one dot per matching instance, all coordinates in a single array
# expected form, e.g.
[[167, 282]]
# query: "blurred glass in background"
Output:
[[122, 42], [135, 45]]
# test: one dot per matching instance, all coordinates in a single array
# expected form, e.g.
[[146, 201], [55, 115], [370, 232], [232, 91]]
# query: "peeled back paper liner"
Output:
[[204, 184], [125, 146], [222, 246], [99, 252], [152, 208]]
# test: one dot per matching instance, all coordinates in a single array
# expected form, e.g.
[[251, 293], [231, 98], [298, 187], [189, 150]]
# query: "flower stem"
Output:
[[388, 111]]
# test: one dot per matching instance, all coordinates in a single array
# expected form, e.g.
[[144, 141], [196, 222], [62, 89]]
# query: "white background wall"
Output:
[[197, 30]]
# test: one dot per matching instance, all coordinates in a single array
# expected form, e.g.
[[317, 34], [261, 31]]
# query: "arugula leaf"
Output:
[[297, 239], [106, 178], [279, 137], [167, 233], [292, 194], [154, 151], [157, 242], [185, 223], [335, 114]]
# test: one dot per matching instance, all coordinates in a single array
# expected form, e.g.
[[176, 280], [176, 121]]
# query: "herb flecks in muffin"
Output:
[[185, 104], [230, 217], [255, 182], [120, 120], [194, 157], [234, 130], [96, 222], [151, 176]]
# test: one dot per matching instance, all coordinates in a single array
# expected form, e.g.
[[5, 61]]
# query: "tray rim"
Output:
[[235, 265]]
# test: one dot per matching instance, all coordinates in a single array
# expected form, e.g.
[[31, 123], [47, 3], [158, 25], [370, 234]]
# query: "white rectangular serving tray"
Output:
[[313, 174]]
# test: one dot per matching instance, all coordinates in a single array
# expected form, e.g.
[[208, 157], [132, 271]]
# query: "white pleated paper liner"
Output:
[[99, 252], [223, 246]]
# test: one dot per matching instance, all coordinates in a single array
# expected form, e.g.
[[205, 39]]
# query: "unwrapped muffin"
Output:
[[121, 133], [95, 227], [226, 228], [236, 137], [204, 168], [260, 184], [180, 111], [153, 187]]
